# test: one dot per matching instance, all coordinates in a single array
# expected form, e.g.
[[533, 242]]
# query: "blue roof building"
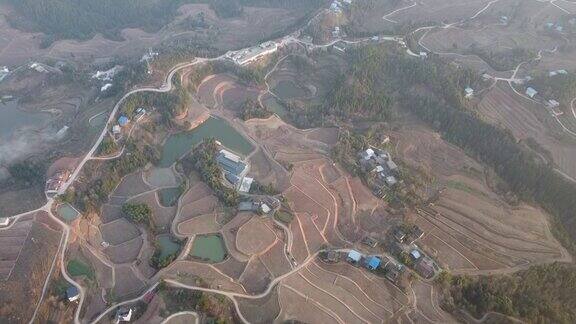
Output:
[[123, 121], [354, 256], [373, 263], [231, 163]]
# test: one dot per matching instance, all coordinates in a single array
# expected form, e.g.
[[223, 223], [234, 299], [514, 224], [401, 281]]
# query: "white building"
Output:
[[252, 54], [468, 92], [552, 103], [4, 221], [423, 55], [531, 92], [106, 87], [245, 184]]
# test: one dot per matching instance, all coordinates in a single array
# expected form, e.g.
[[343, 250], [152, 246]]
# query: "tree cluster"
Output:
[[253, 109], [541, 294]]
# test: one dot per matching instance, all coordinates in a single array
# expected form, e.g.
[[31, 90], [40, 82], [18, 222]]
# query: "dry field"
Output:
[[470, 228], [338, 293], [26, 264]]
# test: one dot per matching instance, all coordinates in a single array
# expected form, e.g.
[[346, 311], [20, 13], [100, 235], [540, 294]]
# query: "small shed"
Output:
[[354, 256], [468, 92]]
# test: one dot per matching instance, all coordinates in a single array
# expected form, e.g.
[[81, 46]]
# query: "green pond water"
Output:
[[13, 119], [273, 104], [167, 246], [210, 247], [169, 196], [287, 90], [179, 144], [67, 212]]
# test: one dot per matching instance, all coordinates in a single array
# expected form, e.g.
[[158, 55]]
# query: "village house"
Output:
[[72, 294], [55, 182], [425, 268], [468, 92]]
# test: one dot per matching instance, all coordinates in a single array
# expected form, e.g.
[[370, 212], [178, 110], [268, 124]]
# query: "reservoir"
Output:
[[178, 145]]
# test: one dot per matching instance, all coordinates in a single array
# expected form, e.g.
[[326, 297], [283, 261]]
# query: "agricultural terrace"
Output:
[[486, 233]]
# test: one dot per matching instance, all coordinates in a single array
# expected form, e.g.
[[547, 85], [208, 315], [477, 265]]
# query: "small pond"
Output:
[[168, 197], [13, 119], [179, 144], [209, 248], [167, 246], [286, 89], [67, 212]]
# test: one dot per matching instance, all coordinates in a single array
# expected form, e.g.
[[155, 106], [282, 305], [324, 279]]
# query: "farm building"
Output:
[[4, 221], [254, 53], [231, 163], [423, 55], [246, 206], [415, 254], [54, 183], [531, 92], [354, 256], [468, 92], [123, 314], [373, 262], [3, 72], [552, 103], [425, 267], [72, 293], [246, 184]]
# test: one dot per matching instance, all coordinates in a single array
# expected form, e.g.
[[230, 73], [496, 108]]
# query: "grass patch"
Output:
[[284, 216], [78, 268], [464, 187]]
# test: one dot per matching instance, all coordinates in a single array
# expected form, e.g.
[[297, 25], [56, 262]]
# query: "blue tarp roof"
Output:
[[374, 262], [354, 255], [123, 120]]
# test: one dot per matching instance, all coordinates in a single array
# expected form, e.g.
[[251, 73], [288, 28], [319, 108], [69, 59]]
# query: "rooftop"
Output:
[[354, 255]]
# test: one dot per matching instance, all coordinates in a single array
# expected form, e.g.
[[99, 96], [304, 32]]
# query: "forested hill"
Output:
[[81, 19]]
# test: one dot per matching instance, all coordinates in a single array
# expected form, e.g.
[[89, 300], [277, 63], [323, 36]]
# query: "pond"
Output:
[[67, 212], [286, 89], [13, 119], [167, 246], [179, 144], [169, 196], [209, 248]]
